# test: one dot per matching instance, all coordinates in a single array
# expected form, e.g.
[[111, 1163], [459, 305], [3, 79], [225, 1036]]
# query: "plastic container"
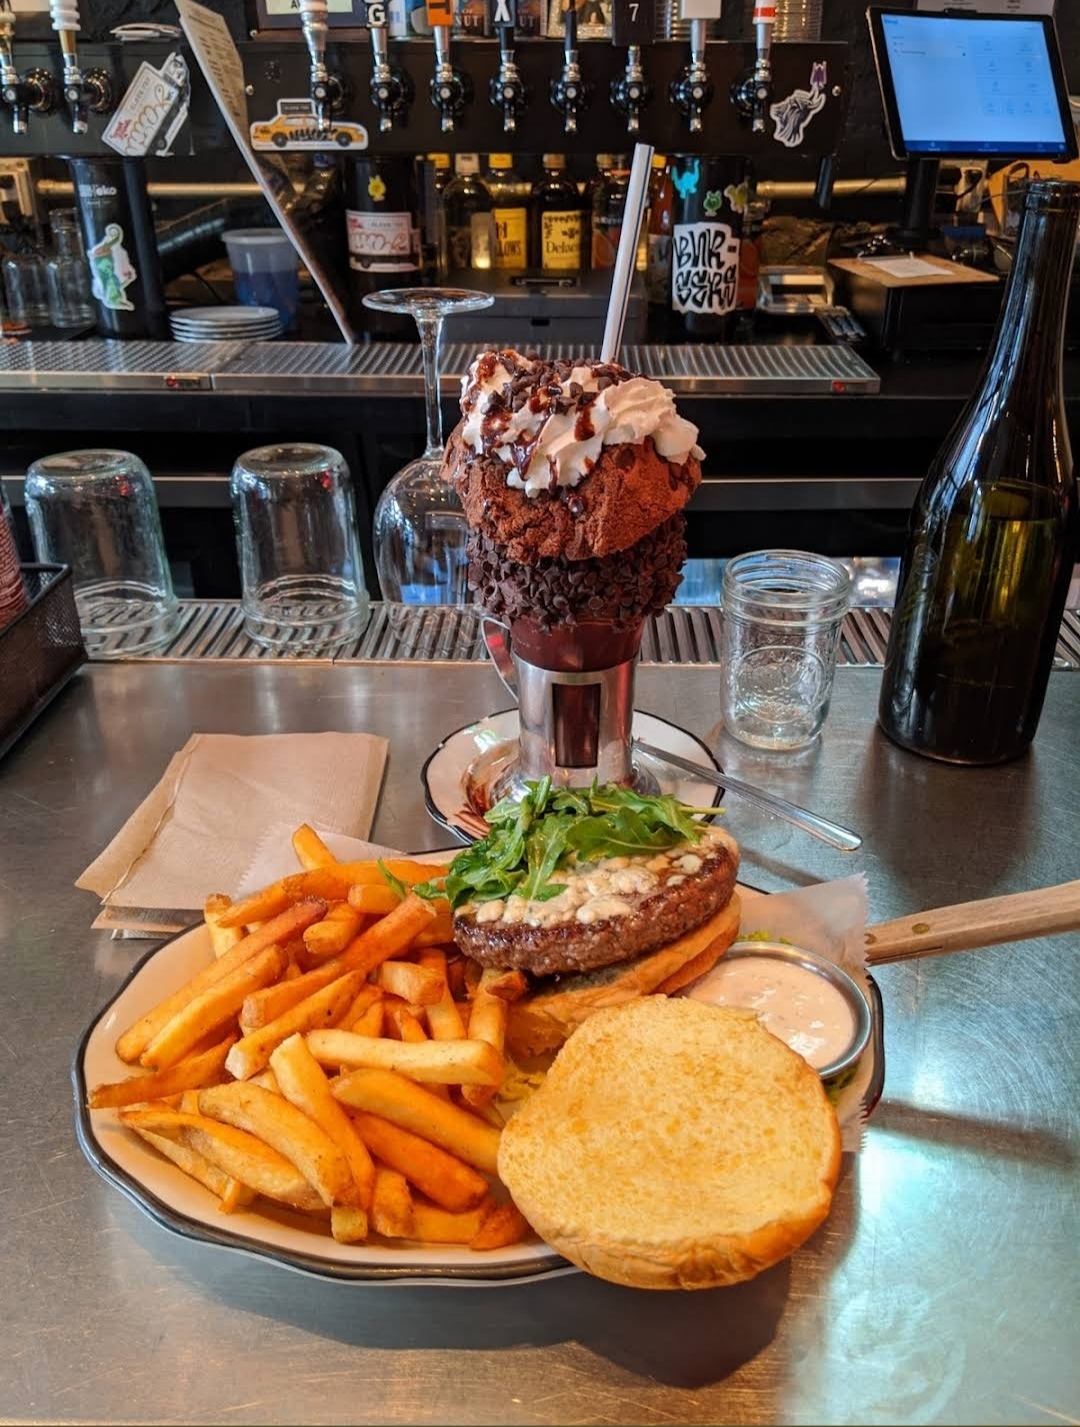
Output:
[[39, 650], [264, 267]]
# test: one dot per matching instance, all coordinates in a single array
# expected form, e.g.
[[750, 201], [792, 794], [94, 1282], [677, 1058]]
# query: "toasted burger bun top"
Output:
[[674, 1145], [542, 1021]]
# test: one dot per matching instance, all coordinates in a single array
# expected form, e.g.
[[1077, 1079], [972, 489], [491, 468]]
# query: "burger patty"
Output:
[[609, 911]]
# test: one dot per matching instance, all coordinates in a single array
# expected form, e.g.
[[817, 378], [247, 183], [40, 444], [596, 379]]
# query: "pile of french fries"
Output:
[[337, 1057]]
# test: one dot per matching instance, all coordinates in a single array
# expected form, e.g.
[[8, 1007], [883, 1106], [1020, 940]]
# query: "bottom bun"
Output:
[[542, 1021], [674, 1145]]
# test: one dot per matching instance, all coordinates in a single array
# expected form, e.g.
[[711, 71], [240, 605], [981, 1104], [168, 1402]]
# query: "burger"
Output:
[[598, 896]]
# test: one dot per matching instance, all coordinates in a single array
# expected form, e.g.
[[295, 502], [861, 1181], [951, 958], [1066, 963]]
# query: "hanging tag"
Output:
[[440, 12], [503, 14], [156, 100]]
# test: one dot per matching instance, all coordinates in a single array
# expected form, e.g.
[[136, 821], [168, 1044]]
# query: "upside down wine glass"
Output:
[[419, 527]]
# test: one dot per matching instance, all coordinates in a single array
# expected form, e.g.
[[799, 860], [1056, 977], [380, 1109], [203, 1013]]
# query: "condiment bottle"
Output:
[[994, 529]]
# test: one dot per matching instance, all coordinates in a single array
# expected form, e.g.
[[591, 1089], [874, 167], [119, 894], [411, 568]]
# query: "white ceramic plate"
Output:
[[445, 774], [179, 1203]]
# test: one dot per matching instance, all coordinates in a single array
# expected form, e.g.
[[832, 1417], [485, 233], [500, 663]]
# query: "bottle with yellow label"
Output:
[[557, 240], [509, 214]]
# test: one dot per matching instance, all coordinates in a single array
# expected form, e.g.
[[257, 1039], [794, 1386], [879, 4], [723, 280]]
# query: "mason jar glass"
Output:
[[782, 615]]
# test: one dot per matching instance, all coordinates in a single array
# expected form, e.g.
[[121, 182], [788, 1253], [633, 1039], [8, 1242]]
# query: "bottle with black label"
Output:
[[118, 237], [711, 193], [383, 228], [995, 528], [608, 206], [557, 240], [467, 218]]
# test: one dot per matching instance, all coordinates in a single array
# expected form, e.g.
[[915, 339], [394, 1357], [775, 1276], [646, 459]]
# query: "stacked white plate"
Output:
[[225, 324]]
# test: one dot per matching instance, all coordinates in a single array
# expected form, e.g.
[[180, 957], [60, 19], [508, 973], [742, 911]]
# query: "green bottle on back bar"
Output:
[[995, 527]]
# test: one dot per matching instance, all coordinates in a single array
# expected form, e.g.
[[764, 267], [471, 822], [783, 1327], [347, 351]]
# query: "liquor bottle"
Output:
[[434, 174], [711, 194], [608, 206], [509, 213], [382, 224], [658, 251], [467, 215], [558, 220], [118, 238], [995, 526]]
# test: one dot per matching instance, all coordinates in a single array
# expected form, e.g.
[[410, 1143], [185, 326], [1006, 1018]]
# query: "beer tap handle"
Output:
[[65, 21], [568, 92], [634, 26], [391, 91], [325, 89], [507, 88], [751, 94]]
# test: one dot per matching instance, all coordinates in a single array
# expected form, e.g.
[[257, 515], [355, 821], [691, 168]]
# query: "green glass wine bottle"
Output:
[[995, 527]]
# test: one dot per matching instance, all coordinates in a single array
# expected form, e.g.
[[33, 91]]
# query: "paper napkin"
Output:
[[198, 829]]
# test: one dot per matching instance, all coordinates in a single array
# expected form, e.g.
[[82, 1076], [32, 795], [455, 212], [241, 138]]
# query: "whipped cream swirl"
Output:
[[554, 436]]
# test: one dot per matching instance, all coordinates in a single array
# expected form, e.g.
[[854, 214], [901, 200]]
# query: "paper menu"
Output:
[[212, 45]]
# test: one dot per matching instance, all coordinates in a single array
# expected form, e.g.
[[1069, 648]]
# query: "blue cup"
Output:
[[264, 267]]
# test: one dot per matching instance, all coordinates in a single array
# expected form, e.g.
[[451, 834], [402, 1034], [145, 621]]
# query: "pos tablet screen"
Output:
[[972, 86]]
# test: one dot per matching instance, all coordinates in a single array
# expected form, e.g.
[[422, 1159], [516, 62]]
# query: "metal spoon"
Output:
[[832, 833]]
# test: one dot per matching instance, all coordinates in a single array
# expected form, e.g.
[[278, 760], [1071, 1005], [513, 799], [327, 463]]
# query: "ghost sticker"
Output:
[[111, 270], [686, 183], [793, 114]]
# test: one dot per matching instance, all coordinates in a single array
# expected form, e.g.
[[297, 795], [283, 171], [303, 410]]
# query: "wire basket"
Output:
[[39, 650]]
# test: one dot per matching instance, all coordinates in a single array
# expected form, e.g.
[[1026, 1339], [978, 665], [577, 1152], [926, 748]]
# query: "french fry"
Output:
[[372, 900], [236, 1196], [190, 1074], [461, 1062], [488, 1016], [502, 1224], [446, 1180], [432, 1225], [221, 938], [404, 1024], [304, 1084], [190, 1161], [251, 1053], [278, 930], [262, 1007], [391, 1204], [509, 985], [279, 1124], [212, 1008], [333, 934], [369, 1022], [267, 1079], [393, 933], [441, 931], [418, 985], [364, 999], [237, 1153], [348, 1225], [404, 1103], [310, 849], [443, 1018]]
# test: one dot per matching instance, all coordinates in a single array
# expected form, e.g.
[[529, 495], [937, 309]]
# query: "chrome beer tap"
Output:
[[692, 92], [629, 92], [325, 88], [751, 94], [449, 87], [507, 88], [11, 86], [391, 90], [568, 92], [84, 94]]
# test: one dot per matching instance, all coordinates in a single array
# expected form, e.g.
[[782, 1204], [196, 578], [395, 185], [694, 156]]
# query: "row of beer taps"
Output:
[[35, 92], [451, 89]]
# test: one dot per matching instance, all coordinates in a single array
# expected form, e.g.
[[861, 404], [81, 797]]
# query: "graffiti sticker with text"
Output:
[[704, 268]]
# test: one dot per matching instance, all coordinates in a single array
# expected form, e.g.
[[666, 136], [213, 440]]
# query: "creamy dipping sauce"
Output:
[[797, 1005]]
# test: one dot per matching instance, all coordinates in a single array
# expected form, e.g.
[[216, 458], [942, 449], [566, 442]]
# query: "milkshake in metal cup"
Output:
[[573, 477]]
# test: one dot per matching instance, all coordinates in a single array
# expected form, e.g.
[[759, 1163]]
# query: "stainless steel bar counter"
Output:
[[945, 1286]]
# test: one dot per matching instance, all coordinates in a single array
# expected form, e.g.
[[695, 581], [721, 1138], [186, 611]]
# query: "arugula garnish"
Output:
[[550, 830], [395, 883]]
